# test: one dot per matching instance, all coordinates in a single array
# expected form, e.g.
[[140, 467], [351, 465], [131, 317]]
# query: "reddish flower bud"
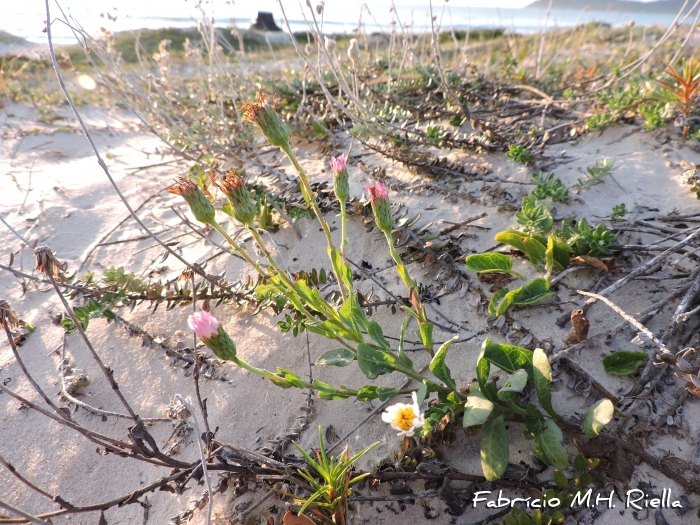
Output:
[[213, 335], [340, 177], [243, 207], [200, 206], [379, 198], [266, 118]]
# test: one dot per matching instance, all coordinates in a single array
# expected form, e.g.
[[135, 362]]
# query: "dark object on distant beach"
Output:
[[265, 22]]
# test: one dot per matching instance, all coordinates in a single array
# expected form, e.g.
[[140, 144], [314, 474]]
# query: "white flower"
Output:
[[404, 418]]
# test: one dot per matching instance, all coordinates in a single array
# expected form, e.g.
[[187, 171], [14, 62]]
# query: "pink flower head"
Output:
[[339, 163], [204, 324], [377, 192]]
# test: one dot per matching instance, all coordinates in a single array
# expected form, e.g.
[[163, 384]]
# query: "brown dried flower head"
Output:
[[266, 118], [47, 263], [243, 206], [8, 316], [200, 206]]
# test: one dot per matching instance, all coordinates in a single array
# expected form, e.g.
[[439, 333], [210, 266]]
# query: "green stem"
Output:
[[310, 199], [343, 229], [236, 249], [268, 256]]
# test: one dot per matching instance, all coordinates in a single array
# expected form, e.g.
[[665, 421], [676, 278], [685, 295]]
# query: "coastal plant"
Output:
[[549, 186], [556, 502], [599, 122], [587, 240], [595, 174], [618, 212], [488, 407], [682, 90], [332, 481], [655, 114], [534, 216], [362, 340], [518, 153]]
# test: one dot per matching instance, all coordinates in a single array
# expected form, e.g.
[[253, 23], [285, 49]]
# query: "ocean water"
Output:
[[27, 21]]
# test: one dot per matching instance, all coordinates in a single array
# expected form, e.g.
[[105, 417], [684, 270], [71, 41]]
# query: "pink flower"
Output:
[[339, 163], [377, 192], [204, 324]]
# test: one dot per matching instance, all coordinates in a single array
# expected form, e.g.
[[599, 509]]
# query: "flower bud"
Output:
[[330, 44], [213, 335], [47, 263], [200, 206], [243, 206], [7, 315], [266, 118], [379, 198], [339, 167], [353, 50]]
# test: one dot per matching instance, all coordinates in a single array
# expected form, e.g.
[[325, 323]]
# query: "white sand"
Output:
[[69, 205]]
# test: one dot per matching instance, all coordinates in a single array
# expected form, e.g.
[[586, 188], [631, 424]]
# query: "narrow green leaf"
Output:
[[438, 366], [494, 448], [500, 302], [490, 263], [337, 357], [549, 442], [549, 256], [426, 334], [405, 277], [597, 416], [624, 362], [542, 375], [509, 358], [401, 352], [421, 393], [386, 393]]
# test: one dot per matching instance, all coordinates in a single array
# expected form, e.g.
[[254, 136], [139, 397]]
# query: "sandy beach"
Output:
[[54, 193]]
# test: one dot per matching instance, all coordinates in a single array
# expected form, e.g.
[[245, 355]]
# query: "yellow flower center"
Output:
[[404, 418]]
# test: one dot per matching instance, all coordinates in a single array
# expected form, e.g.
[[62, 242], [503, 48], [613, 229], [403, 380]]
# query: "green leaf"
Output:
[[375, 332], [483, 366], [421, 393], [386, 393], [549, 256], [477, 409], [624, 362], [542, 375], [367, 393], [532, 292], [530, 246], [548, 443], [509, 358], [490, 263], [438, 366], [337, 357], [426, 334], [405, 277], [580, 462], [500, 302], [400, 352], [597, 416], [561, 480], [373, 362], [494, 448], [515, 383]]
